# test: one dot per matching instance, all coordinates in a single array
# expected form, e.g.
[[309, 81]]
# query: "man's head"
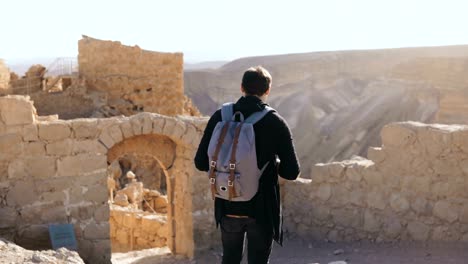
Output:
[[256, 81]]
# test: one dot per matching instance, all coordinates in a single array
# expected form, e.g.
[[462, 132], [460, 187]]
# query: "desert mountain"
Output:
[[337, 102]]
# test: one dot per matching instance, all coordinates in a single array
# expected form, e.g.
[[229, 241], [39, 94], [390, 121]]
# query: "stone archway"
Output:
[[150, 225]]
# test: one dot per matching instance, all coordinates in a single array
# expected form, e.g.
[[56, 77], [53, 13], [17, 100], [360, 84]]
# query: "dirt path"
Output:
[[304, 252]]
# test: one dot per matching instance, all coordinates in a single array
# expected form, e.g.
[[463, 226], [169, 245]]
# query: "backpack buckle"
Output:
[[212, 180], [213, 163], [232, 166], [230, 183]]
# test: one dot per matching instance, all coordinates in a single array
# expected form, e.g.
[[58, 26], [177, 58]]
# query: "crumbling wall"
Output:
[[413, 188], [54, 171], [137, 230], [136, 80], [4, 75]]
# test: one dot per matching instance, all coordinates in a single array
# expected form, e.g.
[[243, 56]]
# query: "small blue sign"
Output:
[[63, 235]]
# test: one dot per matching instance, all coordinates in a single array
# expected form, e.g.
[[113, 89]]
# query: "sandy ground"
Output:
[[310, 252]]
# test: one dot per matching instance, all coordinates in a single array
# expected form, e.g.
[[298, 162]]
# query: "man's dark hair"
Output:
[[256, 81]]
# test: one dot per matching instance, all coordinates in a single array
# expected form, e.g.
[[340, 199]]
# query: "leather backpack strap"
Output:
[[232, 162], [214, 159]]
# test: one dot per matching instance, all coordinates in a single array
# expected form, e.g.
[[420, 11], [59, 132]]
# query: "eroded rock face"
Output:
[[11, 253], [337, 102]]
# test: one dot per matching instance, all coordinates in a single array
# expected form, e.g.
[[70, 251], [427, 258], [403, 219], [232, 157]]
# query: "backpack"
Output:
[[234, 174]]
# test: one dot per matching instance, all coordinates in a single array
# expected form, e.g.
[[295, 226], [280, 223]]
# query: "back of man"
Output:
[[260, 217]]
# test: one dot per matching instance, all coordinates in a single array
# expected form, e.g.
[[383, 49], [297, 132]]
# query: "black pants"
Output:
[[233, 232]]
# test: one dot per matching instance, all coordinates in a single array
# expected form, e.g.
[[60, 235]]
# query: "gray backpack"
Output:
[[234, 174]]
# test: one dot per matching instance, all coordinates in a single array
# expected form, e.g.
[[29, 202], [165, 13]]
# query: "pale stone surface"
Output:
[[324, 192], [81, 164], [445, 211], [60, 148], [54, 131], [85, 128], [16, 110], [418, 231], [415, 189], [399, 203]]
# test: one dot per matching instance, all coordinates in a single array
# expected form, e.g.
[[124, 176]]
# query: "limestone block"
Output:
[[60, 148], [8, 217], [30, 132], [54, 214], [11, 145], [376, 155], [191, 136], [371, 222], [158, 125], [34, 149], [169, 126], [130, 220], [460, 139], [179, 130], [392, 227], [399, 203], [376, 199], [54, 131], [464, 166], [37, 167], [85, 128], [421, 206], [82, 212], [115, 133], [136, 125], [96, 194], [320, 173], [324, 192], [147, 123], [106, 139], [101, 214], [354, 173], [320, 212], [89, 146], [17, 110], [373, 177], [445, 211], [397, 135], [22, 193], [97, 231], [356, 197], [336, 169], [121, 199], [440, 190], [53, 196], [81, 164], [127, 129], [122, 236], [418, 231], [464, 214], [347, 217], [434, 140]]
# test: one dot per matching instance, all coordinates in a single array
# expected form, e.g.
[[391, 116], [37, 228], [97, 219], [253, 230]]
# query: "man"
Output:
[[260, 217]]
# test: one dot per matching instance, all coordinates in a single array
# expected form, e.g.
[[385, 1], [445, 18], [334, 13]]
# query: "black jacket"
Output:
[[273, 140]]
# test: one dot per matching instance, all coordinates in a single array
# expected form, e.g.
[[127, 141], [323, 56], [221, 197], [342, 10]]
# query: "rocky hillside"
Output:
[[337, 102]]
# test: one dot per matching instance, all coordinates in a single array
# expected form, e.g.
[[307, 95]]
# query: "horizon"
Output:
[[208, 31]]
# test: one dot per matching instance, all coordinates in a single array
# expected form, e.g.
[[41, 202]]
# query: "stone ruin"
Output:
[[60, 171], [128, 182]]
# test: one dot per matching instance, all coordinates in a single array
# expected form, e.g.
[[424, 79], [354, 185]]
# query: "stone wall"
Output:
[[412, 188], [137, 230], [136, 80], [54, 171], [4, 75]]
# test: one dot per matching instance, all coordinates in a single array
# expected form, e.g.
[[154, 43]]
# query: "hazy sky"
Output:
[[223, 30]]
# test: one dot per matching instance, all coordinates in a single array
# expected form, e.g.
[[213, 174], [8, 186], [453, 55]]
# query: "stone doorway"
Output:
[[141, 215]]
